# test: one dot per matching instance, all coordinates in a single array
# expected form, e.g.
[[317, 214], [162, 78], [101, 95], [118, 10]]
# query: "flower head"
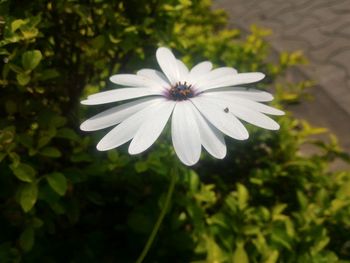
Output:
[[204, 104]]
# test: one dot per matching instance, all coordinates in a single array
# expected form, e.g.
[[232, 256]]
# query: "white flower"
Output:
[[204, 103]]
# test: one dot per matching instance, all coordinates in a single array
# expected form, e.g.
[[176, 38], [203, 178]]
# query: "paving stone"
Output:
[[326, 52], [342, 57], [332, 79], [288, 18], [344, 30], [314, 37], [344, 103], [298, 4], [323, 13], [341, 7], [301, 25], [267, 5], [334, 27], [289, 44]]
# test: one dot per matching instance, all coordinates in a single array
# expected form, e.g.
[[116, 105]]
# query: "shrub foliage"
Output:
[[62, 201]]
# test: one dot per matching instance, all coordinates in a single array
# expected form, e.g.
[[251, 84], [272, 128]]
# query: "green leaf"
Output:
[[113, 155], [15, 68], [140, 222], [57, 121], [17, 24], [240, 255], [31, 59], [2, 156], [273, 257], [194, 181], [27, 196], [280, 237], [69, 134], [50, 152], [243, 196], [141, 167], [23, 172], [26, 240], [214, 251], [23, 78], [49, 74], [11, 107], [303, 202], [57, 182]]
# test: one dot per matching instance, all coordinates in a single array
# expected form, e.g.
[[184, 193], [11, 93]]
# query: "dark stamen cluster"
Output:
[[181, 91]]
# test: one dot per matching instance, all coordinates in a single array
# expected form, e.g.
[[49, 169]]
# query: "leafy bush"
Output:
[[62, 201]]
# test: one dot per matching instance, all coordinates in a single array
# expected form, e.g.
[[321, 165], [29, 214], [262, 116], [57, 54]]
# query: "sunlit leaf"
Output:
[[23, 79], [240, 255], [31, 59]]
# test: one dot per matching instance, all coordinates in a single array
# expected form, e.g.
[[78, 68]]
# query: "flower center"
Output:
[[181, 91]]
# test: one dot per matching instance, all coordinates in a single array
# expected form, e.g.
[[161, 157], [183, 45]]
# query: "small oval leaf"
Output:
[[23, 79], [57, 182], [23, 172], [50, 152], [26, 240], [28, 196], [31, 59]]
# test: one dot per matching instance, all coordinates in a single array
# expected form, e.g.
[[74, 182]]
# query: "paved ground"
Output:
[[321, 28]]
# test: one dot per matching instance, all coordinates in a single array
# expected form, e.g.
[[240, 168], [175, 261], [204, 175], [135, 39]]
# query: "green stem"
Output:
[[155, 229]]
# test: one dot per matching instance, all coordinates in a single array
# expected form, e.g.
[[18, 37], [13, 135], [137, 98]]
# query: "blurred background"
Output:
[[320, 30], [280, 196]]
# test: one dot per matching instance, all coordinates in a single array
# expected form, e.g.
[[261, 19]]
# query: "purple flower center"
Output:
[[181, 91]]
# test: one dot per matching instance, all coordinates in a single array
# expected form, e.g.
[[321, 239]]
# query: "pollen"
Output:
[[181, 91]]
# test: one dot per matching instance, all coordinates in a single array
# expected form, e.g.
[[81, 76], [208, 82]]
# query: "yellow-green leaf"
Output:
[[31, 59], [17, 24], [243, 196], [240, 255], [273, 257], [23, 78], [28, 196], [29, 33]]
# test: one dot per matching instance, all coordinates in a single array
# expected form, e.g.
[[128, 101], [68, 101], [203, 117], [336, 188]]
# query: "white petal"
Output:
[[199, 71], [133, 80], [168, 64], [211, 138], [251, 94], [201, 68], [152, 127], [183, 70], [126, 130], [254, 117], [225, 80], [116, 114], [215, 114], [212, 77], [253, 105], [119, 95], [156, 76], [185, 133]]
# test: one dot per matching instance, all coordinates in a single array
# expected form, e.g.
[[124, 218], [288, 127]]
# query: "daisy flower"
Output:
[[204, 104]]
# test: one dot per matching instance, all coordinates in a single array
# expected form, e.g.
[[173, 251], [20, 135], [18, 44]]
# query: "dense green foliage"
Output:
[[62, 201]]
